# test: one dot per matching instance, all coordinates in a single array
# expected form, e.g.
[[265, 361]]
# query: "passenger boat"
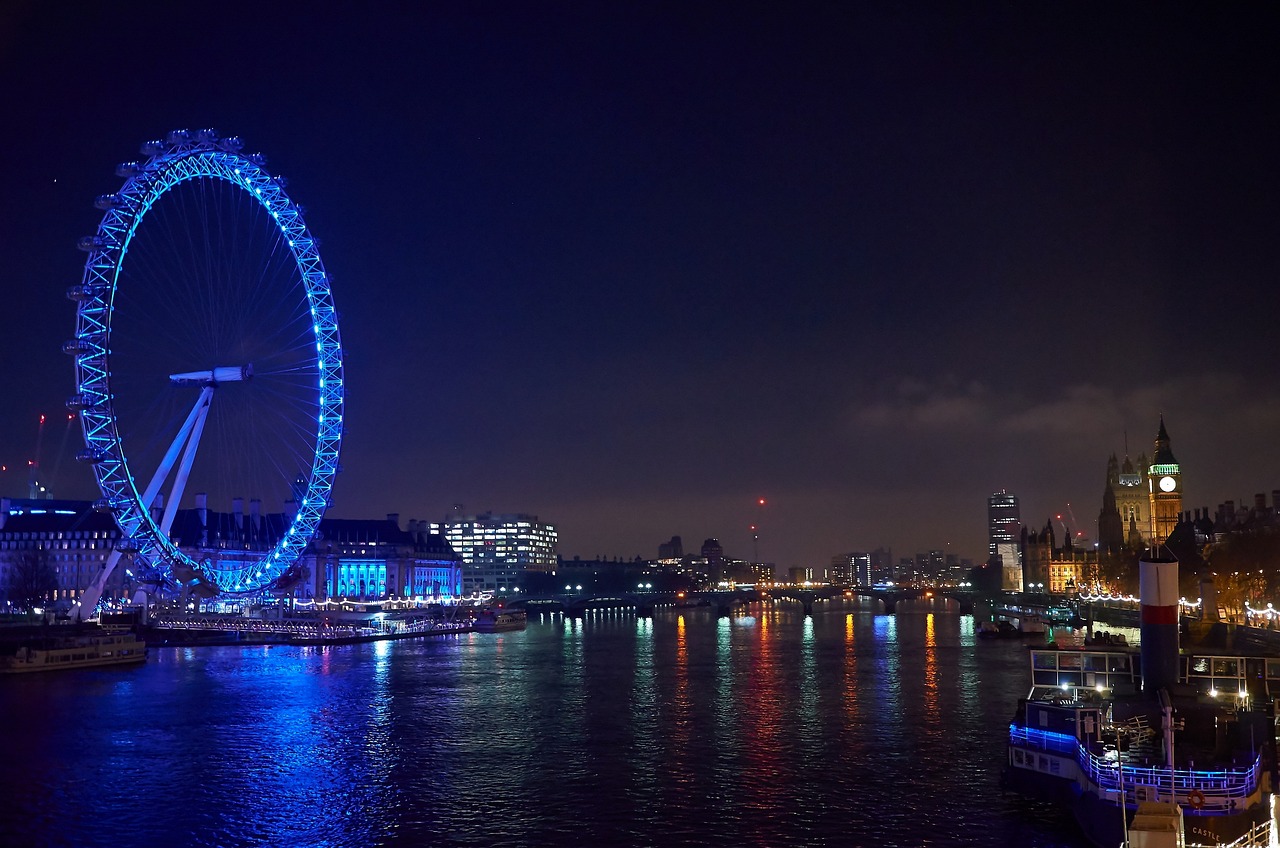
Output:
[[1032, 624], [998, 630], [64, 652], [491, 620], [1028, 626], [1153, 738]]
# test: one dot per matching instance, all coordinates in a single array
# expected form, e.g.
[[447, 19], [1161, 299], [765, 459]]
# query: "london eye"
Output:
[[209, 370]]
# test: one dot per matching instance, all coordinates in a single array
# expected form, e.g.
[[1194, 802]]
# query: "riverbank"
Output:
[[169, 635]]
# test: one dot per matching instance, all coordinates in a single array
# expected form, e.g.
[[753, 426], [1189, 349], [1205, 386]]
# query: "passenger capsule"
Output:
[[78, 346], [82, 293], [184, 573], [91, 243], [102, 505], [206, 136], [79, 402], [280, 180], [92, 456], [128, 545], [151, 148], [108, 201], [257, 159], [231, 144], [179, 137], [128, 169]]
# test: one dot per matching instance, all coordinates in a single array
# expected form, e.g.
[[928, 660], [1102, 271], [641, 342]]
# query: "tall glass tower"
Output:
[[1004, 521], [1004, 527]]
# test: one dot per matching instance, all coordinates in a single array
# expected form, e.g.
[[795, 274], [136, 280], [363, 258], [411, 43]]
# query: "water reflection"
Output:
[[930, 695], [682, 730], [852, 688]]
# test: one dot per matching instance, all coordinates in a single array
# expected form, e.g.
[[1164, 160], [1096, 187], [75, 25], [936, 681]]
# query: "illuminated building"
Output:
[[798, 575], [1164, 485], [74, 541], [354, 559], [862, 568], [1057, 569], [1127, 486], [376, 560], [1004, 521], [497, 549], [1004, 527], [1142, 502], [845, 569]]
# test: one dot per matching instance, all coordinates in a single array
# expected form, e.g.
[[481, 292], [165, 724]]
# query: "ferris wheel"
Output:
[[208, 369]]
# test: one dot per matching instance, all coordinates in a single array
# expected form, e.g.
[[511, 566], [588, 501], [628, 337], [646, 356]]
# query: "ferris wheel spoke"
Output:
[[194, 420], [188, 457]]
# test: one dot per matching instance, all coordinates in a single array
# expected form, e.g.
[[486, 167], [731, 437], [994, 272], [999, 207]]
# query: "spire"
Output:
[[1164, 455]]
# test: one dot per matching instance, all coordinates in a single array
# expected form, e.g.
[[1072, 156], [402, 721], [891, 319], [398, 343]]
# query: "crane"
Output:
[[33, 466]]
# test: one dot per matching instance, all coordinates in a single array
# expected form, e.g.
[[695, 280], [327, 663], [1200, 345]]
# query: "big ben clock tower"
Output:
[[1164, 483]]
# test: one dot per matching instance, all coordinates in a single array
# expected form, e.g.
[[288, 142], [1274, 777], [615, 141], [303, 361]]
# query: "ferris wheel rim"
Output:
[[182, 158]]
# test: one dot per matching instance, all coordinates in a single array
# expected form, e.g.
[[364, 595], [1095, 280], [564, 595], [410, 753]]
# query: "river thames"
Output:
[[843, 728]]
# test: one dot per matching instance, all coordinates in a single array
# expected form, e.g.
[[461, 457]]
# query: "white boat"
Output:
[[63, 652], [1032, 624], [490, 620]]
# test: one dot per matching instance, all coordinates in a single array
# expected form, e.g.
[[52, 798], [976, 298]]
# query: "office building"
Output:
[[1004, 531], [497, 549]]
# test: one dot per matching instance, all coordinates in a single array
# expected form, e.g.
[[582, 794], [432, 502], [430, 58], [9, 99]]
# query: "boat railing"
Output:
[[1259, 836], [1213, 791]]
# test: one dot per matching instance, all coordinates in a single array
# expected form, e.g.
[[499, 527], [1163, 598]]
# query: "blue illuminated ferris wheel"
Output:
[[208, 367]]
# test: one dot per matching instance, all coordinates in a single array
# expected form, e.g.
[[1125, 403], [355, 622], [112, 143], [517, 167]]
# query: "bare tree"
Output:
[[32, 580]]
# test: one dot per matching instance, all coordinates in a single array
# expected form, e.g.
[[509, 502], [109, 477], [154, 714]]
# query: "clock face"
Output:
[[1168, 484]]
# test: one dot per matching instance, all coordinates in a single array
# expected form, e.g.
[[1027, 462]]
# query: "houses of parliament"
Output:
[[1141, 508]]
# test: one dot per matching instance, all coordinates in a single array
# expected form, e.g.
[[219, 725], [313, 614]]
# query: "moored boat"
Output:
[[491, 620], [1154, 738], [65, 652]]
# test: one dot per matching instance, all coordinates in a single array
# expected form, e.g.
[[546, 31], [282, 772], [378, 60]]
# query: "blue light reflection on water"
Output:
[[771, 729]]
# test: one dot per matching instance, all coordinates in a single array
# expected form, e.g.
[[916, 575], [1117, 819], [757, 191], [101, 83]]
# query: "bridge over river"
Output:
[[726, 601]]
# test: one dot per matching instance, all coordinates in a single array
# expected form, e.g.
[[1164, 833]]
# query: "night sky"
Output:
[[630, 268]]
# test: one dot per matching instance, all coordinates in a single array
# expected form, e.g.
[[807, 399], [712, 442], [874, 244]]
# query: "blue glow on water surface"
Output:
[[845, 728]]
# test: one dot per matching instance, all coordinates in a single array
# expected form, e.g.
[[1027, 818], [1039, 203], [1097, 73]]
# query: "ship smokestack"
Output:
[[1158, 593]]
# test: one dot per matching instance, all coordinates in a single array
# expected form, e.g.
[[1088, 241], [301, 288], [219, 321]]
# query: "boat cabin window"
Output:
[[1225, 668]]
